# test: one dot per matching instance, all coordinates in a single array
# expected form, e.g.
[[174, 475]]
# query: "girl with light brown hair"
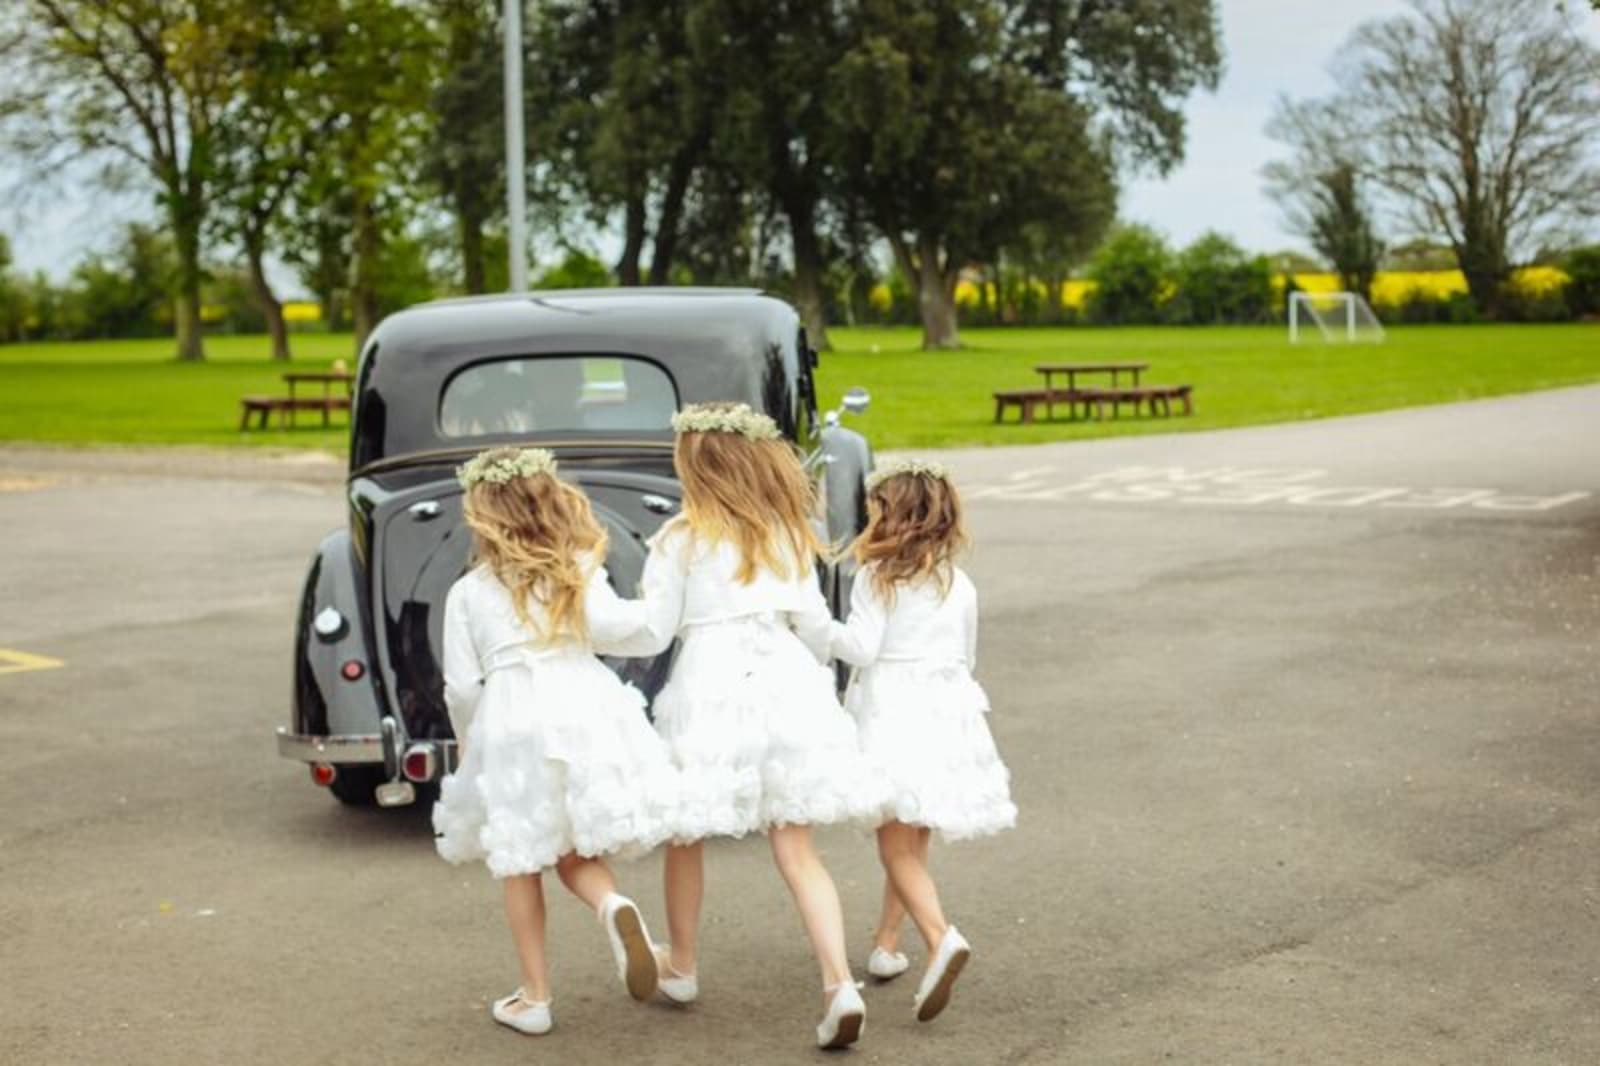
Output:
[[560, 766], [750, 712], [912, 635]]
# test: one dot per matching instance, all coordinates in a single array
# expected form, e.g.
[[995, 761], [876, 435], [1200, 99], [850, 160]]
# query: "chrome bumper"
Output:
[[306, 747]]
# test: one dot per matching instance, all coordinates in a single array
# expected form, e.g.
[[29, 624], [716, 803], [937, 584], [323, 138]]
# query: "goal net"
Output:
[[1332, 316]]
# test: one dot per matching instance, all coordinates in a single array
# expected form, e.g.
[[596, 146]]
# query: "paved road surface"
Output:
[[1303, 722]]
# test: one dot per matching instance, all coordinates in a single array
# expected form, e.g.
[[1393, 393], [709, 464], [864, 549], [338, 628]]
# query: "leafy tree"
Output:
[[624, 97], [1131, 273], [13, 297], [1482, 116], [1217, 281], [465, 150], [953, 150], [1322, 188], [145, 82], [128, 292], [264, 143], [577, 270], [1583, 289]]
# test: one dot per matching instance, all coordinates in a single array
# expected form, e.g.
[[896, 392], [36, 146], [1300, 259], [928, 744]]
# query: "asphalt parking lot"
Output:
[[1304, 723]]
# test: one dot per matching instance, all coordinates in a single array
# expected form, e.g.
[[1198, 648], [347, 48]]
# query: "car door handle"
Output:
[[656, 504], [424, 510]]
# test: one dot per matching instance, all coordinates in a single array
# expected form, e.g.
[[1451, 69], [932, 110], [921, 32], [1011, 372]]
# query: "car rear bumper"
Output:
[[338, 750]]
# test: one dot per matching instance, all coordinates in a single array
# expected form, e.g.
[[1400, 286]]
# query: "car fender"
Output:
[[326, 703]]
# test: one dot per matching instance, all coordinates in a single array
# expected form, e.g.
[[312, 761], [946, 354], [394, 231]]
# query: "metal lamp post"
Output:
[[516, 177]]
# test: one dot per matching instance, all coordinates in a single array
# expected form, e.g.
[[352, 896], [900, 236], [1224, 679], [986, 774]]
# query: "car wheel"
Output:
[[355, 784]]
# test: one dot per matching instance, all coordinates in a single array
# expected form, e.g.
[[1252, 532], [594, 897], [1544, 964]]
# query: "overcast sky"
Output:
[[1272, 47]]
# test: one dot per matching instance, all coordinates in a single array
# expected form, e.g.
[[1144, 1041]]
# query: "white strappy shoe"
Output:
[[845, 1020], [934, 992], [681, 989], [887, 965], [533, 1019], [630, 946]]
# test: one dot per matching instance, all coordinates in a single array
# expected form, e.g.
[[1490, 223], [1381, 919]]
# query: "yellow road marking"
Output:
[[22, 483], [15, 662]]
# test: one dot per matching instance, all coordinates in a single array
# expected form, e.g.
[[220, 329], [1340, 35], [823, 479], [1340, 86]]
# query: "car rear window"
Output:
[[560, 393]]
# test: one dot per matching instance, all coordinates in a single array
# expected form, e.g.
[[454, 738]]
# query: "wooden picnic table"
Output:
[[1072, 370], [328, 401]]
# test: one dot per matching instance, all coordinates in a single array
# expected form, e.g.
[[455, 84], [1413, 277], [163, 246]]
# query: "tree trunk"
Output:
[[267, 300], [471, 251], [666, 242], [186, 235], [808, 297], [363, 286], [632, 242], [936, 300]]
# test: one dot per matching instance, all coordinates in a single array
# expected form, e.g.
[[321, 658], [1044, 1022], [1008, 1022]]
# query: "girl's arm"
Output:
[[971, 619], [812, 622], [613, 621], [655, 616], [859, 637], [463, 674]]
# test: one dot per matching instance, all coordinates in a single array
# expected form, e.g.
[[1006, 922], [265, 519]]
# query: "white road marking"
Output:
[[1252, 486]]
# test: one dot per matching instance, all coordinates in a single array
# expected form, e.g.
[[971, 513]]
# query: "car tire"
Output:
[[355, 785]]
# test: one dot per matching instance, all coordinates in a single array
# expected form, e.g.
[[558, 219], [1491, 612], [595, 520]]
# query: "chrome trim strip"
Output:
[[306, 747]]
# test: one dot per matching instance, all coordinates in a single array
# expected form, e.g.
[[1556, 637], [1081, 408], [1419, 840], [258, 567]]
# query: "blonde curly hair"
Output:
[[535, 533]]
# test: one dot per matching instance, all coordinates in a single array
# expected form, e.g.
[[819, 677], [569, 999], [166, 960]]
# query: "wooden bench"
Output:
[[1157, 399], [263, 407], [1026, 401]]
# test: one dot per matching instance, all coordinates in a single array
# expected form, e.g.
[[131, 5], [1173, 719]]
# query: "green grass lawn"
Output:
[[132, 392]]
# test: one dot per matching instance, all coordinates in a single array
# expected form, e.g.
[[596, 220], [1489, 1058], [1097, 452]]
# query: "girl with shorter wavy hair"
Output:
[[912, 636], [750, 713], [560, 765]]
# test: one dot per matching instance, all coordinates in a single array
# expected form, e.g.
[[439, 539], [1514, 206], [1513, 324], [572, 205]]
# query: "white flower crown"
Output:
[[726, 418], [897, 467], [498, 468]]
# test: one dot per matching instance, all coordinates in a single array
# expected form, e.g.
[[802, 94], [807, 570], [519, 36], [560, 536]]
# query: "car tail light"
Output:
[[352, 670], [420, 763], [323, 774]]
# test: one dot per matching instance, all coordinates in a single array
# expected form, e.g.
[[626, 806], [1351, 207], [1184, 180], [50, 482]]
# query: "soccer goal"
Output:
[[1337, 316]]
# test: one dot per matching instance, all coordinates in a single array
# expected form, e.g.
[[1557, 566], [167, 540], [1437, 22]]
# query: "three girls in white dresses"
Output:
[[560, 765]]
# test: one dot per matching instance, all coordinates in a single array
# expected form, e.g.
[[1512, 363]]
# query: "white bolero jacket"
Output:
[[922, 625], [689, 583], [481, 626]]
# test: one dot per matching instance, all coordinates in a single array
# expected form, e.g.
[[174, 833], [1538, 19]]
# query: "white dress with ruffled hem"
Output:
[[750, 712], [559, 755], [921, 716]]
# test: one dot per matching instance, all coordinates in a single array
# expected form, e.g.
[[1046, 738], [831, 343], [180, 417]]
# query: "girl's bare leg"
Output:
[[588, 879], [890, 919], [904, 852], [525, 914], [815, 896], [683, 876]]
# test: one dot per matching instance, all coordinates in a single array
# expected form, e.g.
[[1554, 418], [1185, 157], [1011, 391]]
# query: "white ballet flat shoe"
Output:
[[630, 946], [887, 965], [681, 989], [845, 1020], [532, 1020], [948, 961]]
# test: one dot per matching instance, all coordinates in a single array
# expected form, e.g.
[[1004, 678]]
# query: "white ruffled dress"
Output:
[[921, 715], [559, 755], [750, 712]]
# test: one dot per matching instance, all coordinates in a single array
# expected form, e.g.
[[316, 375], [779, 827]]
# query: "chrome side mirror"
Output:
[[856, 400]]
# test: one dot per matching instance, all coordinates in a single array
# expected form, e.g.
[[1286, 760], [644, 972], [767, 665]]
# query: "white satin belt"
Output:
[[933, 662], [509, 655]]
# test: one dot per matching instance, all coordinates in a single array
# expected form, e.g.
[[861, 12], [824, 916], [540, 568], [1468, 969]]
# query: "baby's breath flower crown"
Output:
[[498, 467], [898, 467], [726, 418]]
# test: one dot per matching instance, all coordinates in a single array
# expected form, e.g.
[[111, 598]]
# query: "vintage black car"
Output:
[[595, 376]]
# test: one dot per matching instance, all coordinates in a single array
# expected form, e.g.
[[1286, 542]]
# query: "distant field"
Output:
[[133, 392]]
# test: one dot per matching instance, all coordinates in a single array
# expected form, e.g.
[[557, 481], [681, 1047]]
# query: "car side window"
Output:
[[561, 393]]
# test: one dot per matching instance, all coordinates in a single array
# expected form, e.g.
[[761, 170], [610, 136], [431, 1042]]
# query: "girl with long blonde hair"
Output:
[[560, 766], [912, 635], [750, 712]]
